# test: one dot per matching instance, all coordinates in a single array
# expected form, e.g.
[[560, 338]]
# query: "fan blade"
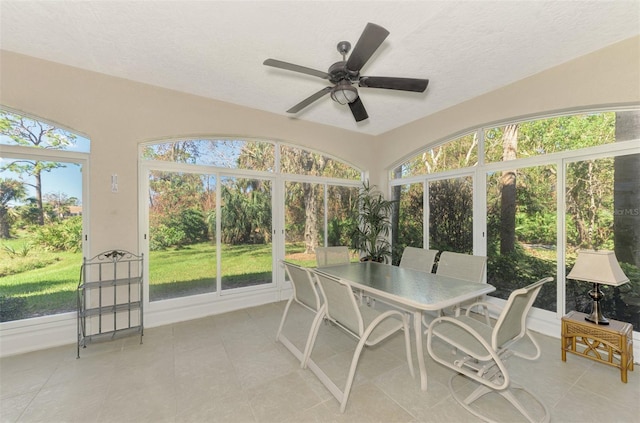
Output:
[[307, 101], [295, 68], [358, 110], [371, 38], [389, 83]]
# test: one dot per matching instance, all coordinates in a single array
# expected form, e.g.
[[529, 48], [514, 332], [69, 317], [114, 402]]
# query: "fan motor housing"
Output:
[[339, 72]]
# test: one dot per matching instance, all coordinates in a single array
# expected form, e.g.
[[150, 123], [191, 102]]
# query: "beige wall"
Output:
[[118, 114]]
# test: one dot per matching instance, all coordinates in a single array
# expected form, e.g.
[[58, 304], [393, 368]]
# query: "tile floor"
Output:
[[228, 368]]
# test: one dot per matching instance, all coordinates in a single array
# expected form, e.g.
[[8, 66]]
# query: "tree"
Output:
[[60, 204], [626, 200], [303, 162], [10, 190], [508, 192], [451, 215], [246, 215], [177, 208], [32, 133]]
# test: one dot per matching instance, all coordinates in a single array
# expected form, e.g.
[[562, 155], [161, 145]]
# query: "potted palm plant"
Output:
[[372, 225]]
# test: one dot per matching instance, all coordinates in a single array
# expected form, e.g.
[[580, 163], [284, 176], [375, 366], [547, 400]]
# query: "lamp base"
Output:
[[598, 320], [596, 314]]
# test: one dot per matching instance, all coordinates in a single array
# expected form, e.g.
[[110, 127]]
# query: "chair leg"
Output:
[[506, 394], [352, 373], [311, 340], [477, 393], [407, 343], [315, 326], [284, 316], [486, 315]]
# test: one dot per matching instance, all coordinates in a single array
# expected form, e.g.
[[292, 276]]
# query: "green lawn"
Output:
[[47, 281], [192, 269]]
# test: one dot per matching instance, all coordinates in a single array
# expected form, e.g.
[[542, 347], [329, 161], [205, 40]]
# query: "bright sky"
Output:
[[65, 180]]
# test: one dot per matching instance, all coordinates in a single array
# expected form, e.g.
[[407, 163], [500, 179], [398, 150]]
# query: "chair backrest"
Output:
[[418, 259], [341, 304], [461, 266], [512, 322], [332, 256], [303, 283]]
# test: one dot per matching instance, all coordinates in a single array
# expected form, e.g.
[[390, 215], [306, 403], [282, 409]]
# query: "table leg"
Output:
[[417, 326]]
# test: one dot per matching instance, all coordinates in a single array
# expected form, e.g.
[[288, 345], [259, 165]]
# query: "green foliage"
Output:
[[334, 231], [21, 264], [246, 215], [12, 308], [372, 224], [62, 236], [409, 227], [590, 201], [22, 251], [451, 211], [192, 223], [519, 269], [31, 133], [10, 190], [536, 228], [28, 214], [163, 236], [179, 229], [546, 136], [455, 154]]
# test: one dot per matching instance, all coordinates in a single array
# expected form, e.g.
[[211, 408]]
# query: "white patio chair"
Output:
[[418, 259], [332, 256], [304, 293], [466, 267], [367, 325], [482, 351]]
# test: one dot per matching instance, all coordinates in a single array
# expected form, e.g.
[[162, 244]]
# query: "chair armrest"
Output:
[[531, 357], [456, 331]]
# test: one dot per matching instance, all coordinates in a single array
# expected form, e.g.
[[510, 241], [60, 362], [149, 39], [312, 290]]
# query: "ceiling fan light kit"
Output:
[[344, 93], [345, 73]]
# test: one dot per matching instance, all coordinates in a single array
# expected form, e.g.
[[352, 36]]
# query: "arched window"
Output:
[[219, 211], [41, 209], [548, 186]]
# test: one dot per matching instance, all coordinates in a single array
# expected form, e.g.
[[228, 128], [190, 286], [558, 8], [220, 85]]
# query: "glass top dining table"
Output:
[[412, 290]]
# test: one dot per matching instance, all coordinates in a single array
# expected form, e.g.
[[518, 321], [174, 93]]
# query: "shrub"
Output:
[[537, 228], [62, 236], [163, 236], [178, 229], [23, 251]]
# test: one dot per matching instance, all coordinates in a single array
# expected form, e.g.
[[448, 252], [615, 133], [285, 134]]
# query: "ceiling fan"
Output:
[[345, 73]]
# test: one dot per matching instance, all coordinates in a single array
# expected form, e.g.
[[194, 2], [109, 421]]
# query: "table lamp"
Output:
[[601, 268]]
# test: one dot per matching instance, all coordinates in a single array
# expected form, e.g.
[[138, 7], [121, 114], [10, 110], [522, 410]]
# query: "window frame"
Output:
[[480, 171]]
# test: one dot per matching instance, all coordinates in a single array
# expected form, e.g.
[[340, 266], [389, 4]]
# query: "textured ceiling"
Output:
[[215, 49]]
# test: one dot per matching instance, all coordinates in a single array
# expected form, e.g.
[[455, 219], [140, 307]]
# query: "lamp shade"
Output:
[[598, 267]]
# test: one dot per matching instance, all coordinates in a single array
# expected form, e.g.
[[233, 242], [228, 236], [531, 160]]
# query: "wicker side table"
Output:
[[611, 344]]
